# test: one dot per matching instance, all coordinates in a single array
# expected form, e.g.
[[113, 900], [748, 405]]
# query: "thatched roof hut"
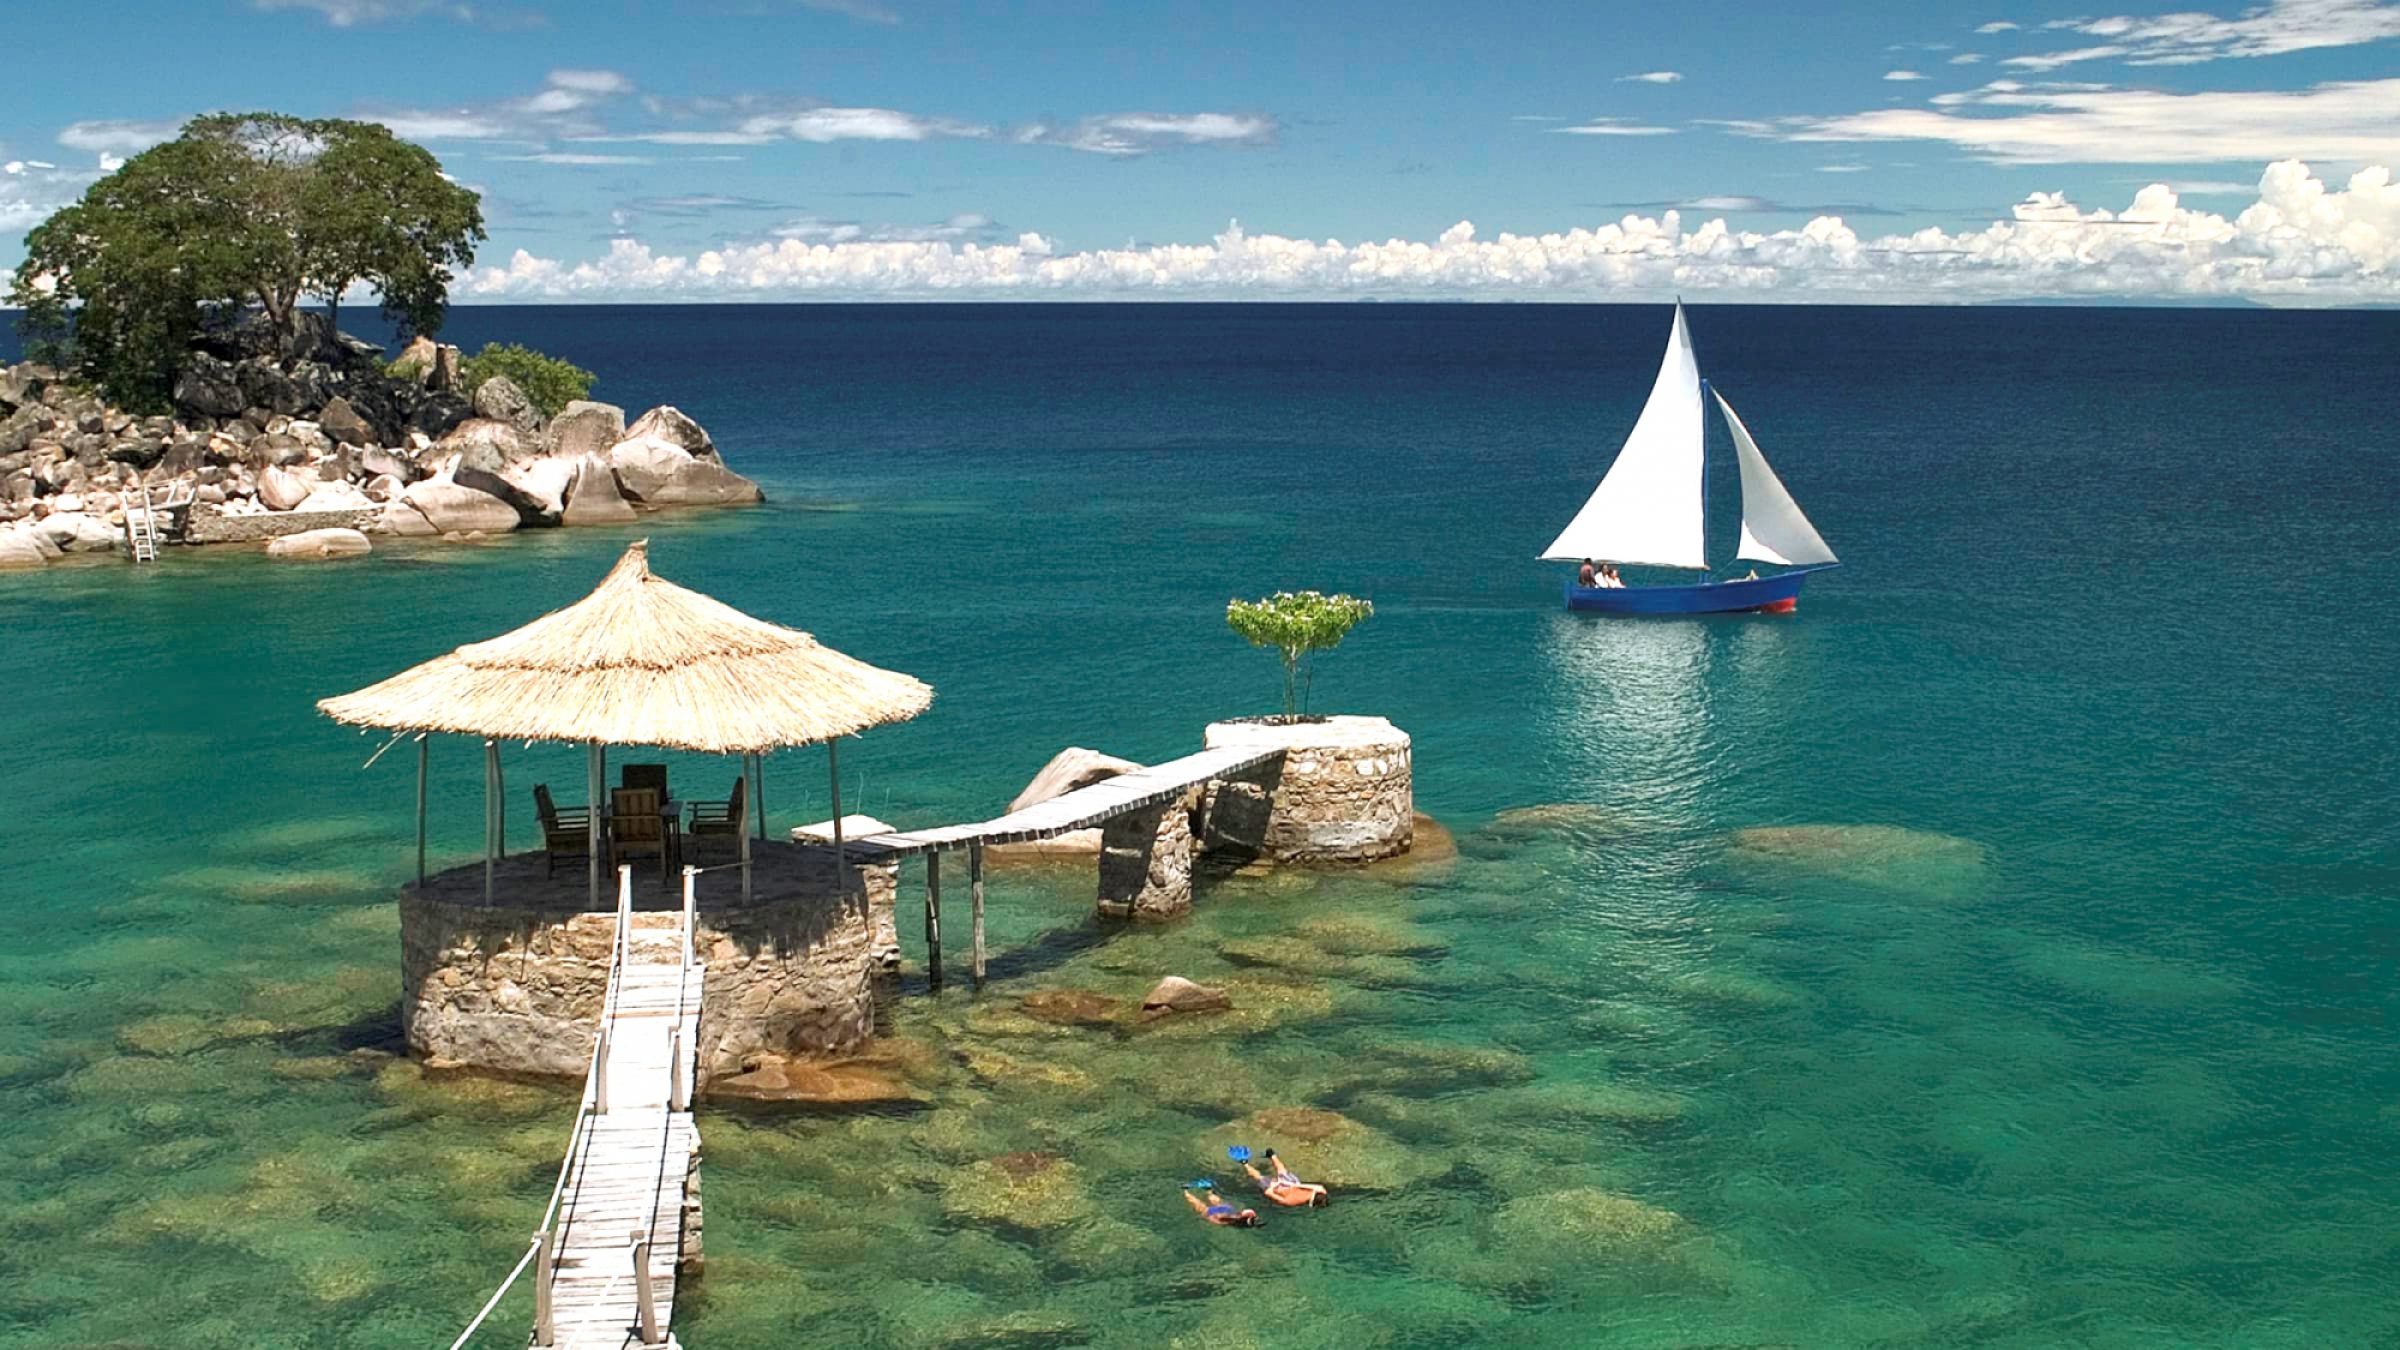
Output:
[[639, 662], [642, 661]]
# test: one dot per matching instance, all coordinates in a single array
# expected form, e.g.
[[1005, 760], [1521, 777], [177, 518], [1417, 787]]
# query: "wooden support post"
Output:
[[600, 1075], [491, 815], [679, 1093], [542, 1331], [758, 790], [645, 1302], [595, 774], [975, 888], [421, 748], [933, 917], [744, 840]]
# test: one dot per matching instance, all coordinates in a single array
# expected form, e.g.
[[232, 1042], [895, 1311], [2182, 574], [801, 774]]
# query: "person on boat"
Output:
[[1281, 1186], [1587, 576], [1609, 577], [1215, 1210]]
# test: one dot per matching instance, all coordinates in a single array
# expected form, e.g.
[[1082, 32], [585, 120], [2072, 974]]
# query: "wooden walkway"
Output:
[[626, 1181], [603, 1263], [1081, 809]]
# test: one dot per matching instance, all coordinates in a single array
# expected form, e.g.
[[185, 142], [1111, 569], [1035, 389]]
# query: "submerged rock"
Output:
[[1585, 1224], [1325, 1147], [1891, 856], [320, 544], [1032, 1189], [1175, 994], [1074, 1007], [775, 1078]]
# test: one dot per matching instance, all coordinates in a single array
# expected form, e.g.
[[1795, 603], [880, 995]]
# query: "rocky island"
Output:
[[282, 440]]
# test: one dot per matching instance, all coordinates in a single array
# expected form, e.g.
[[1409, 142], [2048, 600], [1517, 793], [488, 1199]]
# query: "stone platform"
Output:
[[516, 985], [1344, 792]]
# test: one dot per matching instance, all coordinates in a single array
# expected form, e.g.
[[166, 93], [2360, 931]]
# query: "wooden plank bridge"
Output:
[[611, 1242], [605, 1260], [1087, 806]]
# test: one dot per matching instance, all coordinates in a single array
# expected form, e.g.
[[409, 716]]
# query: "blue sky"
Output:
[[774, 149]]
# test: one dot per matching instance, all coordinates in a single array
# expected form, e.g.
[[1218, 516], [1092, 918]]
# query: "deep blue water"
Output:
[[2062, 1018]]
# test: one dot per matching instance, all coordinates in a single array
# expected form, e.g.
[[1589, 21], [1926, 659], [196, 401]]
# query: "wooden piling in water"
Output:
[[933, 917], [975, 888]]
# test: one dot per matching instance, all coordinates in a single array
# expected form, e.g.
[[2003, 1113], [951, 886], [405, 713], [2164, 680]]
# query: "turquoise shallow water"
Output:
[[1995, 953]]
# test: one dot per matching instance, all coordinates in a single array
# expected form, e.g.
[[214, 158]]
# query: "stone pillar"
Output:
[[1146, 863], [1344, 792]]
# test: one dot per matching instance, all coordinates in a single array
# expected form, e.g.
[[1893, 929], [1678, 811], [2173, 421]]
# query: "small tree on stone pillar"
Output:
[[1298, 624]]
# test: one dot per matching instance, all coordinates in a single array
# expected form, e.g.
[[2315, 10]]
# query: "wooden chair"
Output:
[[726, 819], [645, 776], [637, 828], [566, 832]]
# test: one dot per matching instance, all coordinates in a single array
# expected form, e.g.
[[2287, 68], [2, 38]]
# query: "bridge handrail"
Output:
[[580, 1135]]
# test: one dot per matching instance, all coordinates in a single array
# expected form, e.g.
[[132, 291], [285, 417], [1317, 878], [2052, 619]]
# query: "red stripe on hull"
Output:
[[1783, 606]]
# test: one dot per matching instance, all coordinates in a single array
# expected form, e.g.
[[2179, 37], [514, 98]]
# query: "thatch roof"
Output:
[[642, 661]]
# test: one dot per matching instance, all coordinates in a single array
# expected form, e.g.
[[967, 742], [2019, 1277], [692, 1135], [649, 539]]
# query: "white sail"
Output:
[[1647, 508], [1773, 530]]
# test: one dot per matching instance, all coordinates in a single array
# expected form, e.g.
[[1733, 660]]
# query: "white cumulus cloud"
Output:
[[2300, 241], [122, 138], [2189, 38], [2005, 121], [1139, 133], [1653, 77], [1899, 75], [1610, 126]]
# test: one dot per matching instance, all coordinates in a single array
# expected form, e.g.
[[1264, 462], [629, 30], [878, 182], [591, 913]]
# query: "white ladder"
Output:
[[141, 519]]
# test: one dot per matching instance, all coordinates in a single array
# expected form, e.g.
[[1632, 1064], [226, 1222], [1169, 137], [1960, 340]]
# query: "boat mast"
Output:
[[1703, 446]]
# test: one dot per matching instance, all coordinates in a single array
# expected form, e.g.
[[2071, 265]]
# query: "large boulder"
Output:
[[544, 478], [18, 550], [76, 532], [400, 518], [586, 428], [377, 462], [22, 383], [1067, 770], [337, 496], [320, 544], [19, 429], [416, 361], [282, 489], [1175, 994], [453, 508], [485, 444], [303, 388], [669, 424], [344, 423], [500, 400], [660, 472], [593, 498], [208, 387], [531, 510], [438, 413]]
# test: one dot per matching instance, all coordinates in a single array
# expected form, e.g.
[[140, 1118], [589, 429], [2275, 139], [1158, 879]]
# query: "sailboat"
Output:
[[1651, 506]]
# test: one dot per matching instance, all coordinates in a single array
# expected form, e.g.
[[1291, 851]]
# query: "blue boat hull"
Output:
[[1778, 594]]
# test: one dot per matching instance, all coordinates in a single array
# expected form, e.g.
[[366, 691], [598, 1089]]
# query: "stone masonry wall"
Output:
[[520, 990], [1146, 862], [1343, 793], [207, 524]]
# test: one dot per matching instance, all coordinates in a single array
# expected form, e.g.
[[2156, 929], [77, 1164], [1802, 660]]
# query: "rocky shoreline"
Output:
[[319, 448]]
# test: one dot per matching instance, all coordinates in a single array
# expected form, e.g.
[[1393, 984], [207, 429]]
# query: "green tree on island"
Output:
[[1299, 624], [241, 210]]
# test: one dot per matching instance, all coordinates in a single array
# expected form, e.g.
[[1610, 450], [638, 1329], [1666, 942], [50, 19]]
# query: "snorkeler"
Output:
[[1279, 1183], [1214, 1209]]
